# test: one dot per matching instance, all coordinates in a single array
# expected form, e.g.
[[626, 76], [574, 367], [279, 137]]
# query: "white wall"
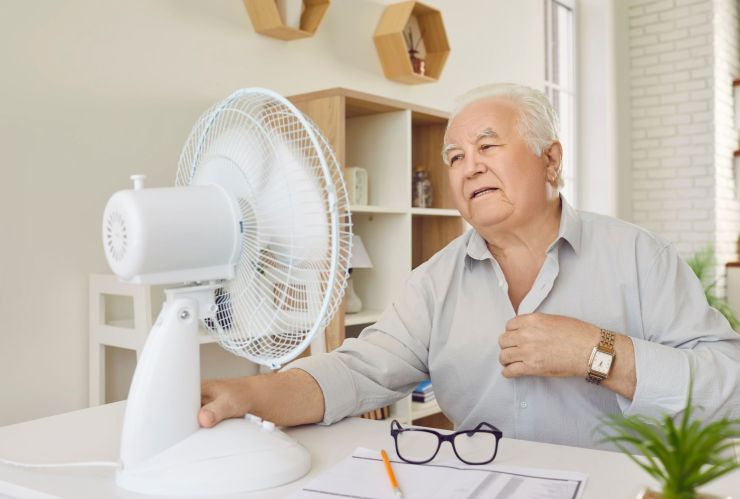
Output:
[[94, 90]]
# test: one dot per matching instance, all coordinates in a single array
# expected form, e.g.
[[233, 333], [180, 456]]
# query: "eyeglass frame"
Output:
[[489, 428]]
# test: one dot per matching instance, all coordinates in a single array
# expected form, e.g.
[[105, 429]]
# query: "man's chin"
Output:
[[488, 221]]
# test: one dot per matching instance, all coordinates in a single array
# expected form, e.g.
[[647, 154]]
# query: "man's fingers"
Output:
[[207, 392], [509, 355], [509, 339], [206, 417], [215, 411], [514, 370]]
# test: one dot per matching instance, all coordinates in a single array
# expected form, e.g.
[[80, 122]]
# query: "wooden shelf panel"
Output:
[[431, 234], [387, 210], [423, 409], [435, 212], [364, 316], [361, 104]]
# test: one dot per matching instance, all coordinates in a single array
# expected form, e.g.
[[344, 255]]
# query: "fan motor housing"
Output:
[[148, 234]]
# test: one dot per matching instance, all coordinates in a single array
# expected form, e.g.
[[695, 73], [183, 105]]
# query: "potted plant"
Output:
[[702, 263], [681, 457]]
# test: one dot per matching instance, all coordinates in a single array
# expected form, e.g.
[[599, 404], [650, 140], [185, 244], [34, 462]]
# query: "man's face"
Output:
[[496, 180]]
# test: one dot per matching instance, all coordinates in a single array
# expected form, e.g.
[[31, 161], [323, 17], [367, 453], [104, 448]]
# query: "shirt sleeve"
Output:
[[683, 337], [383, 364]]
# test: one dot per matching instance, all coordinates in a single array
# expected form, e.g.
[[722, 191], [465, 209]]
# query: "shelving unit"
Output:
[[266, 18], [393, 49], [387, 138]]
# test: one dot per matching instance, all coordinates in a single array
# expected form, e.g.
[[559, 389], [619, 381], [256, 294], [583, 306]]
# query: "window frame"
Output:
[[570, 149]]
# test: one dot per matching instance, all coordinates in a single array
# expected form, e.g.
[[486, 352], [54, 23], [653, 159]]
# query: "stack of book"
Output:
[[381, 413], [423, 392]]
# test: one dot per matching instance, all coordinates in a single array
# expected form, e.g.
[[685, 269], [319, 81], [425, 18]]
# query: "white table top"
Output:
[[92, 434]]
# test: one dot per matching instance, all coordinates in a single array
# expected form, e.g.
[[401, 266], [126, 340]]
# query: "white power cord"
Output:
[[84, 464]]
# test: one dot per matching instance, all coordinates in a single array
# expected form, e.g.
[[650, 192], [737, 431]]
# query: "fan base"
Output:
[[234, 456]]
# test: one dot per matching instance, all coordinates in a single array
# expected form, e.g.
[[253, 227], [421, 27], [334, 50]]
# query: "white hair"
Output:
[[537, 124]]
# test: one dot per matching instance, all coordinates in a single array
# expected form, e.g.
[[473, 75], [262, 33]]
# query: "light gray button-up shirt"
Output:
[[445, 323]]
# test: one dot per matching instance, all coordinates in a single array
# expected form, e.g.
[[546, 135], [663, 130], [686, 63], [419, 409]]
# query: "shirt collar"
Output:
[[570, 230], [570, 226]]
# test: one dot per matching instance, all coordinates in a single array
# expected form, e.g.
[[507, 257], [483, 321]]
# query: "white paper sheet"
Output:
[[363, 476]]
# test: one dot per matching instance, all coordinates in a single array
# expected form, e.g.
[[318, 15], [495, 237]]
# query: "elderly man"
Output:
[[541, 320]]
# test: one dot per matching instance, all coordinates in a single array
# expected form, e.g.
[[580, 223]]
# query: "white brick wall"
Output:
[[684, 54]]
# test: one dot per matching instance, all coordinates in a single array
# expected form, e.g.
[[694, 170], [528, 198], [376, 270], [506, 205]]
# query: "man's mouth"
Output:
[[483, 191]]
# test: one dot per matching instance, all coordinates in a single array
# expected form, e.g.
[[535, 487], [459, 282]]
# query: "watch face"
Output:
[[602, 362]]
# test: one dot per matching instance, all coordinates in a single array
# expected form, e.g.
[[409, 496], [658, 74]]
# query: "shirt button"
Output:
[[523, 405], [501, 284]]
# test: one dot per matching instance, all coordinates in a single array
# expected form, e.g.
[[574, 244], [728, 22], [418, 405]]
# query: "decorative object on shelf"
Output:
[[359, 260], [683, 456], [357, 185], [286, 19], [378, 414], [421, 188], [290, 12], [417, 63], [423, 392], [395, 50]]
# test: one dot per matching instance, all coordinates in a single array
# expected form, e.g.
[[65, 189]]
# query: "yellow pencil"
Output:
[[391, 476]]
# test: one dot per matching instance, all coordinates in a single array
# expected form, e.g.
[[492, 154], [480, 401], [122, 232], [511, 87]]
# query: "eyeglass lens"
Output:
[[476, 447], [417, 445]]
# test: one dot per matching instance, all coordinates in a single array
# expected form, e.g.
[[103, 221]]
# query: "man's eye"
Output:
[[483, 147], [455, 158]]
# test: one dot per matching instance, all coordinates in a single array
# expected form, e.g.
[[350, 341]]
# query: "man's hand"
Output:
[[286, 398], [557, 346], [546, 345], [221, 399]]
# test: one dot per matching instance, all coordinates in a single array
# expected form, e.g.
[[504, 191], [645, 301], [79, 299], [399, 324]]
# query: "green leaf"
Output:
[[681, 454], [702, 263]]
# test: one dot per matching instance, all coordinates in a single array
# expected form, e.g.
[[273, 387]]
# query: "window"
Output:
[[560, 83]]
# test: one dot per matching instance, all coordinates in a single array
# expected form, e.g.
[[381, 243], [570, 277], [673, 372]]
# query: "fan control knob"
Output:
[[138, 181], [268, 426]]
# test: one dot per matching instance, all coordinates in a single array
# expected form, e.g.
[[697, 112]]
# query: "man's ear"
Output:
[[553, 157]]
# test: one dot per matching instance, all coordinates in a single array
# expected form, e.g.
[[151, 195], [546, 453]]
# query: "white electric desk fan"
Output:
[[257, 233]]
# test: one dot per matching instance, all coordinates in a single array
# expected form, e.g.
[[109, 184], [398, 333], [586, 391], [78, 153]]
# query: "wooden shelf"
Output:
[[423, 409], [393, 50], [267, 21], [435, 212], [360, 208], [364, 316]]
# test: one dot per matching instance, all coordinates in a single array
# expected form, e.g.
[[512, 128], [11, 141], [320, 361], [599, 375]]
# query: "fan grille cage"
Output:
[[295, 249]]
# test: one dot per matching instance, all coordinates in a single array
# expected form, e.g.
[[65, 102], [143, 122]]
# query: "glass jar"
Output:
[[421, 189]]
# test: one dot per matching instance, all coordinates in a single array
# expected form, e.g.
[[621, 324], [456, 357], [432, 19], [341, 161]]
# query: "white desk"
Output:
[[92, 434]]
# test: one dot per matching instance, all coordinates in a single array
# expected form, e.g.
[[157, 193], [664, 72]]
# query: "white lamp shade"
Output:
[[360, 259]]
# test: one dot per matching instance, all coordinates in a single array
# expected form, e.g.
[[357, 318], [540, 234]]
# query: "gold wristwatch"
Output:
[[602, 358]]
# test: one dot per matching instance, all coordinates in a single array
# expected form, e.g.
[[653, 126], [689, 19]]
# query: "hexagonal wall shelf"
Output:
[[393, 48], [266, 18]]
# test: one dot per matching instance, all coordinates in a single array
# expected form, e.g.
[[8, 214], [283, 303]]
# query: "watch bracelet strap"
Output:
[[606, 343]]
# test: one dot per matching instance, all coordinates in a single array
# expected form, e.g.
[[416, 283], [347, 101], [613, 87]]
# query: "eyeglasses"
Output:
[[419, 446]]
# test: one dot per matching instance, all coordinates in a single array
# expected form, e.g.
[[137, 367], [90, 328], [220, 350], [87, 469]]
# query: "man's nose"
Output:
[[473, 164]]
